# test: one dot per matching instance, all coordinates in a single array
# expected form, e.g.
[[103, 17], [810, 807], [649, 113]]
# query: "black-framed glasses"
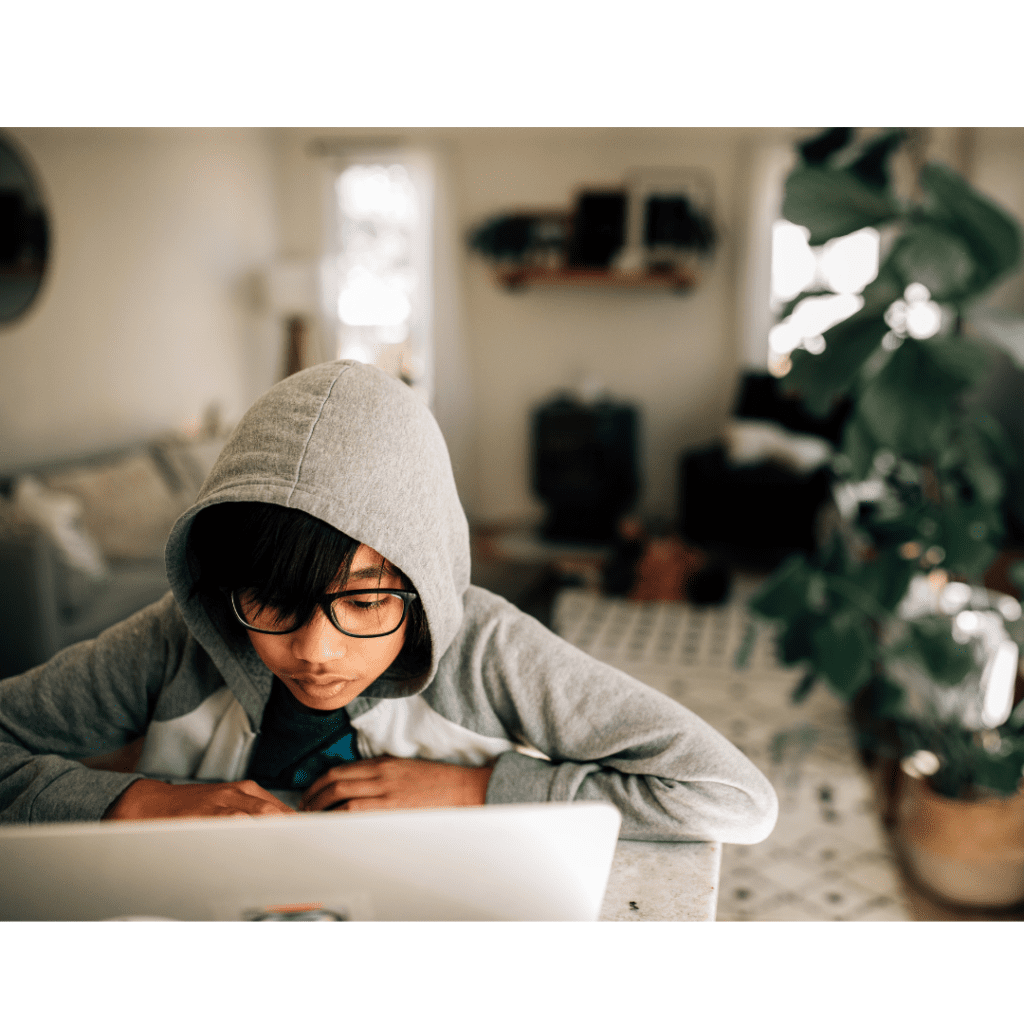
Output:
[[377, 611]]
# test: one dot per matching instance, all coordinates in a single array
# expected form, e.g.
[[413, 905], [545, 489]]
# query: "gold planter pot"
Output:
[[965, 852]]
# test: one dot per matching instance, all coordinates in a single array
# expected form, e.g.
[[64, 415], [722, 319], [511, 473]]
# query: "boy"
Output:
[[321, 638]]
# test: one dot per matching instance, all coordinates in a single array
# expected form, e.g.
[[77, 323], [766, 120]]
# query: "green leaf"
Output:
[[819, 148], [843, 647], [991, 432], [821, 379], [885, 579], [795, 644], [859, 447], [959, 357], [998, 772], [882, 292], [932, 643], [908, 405], [741, 659], [937, 258], [986, 481], [970, 534], [1017, 575], [888, 699], [785, 593], [993, 237], [832, 203], [871, 166]]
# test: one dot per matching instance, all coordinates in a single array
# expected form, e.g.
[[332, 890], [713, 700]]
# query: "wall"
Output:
[[674, 356], [147, 314], [677, 357], [147, 317], [995, 165]]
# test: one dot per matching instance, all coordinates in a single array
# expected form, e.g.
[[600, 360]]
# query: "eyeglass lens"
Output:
[[364, 614]]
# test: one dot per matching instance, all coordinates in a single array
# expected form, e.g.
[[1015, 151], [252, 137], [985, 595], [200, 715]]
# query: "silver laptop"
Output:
[[513, 862]]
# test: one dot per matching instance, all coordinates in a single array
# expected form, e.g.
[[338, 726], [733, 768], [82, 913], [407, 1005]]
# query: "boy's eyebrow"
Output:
[[371, 572]]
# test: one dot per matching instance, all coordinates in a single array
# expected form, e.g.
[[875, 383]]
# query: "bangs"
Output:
[[285, 557]]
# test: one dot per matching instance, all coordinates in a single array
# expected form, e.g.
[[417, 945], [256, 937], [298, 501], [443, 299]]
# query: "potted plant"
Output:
[[891, 612]]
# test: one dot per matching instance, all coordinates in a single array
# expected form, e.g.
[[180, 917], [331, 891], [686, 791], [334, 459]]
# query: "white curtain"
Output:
[[436, 347], [770, 164]]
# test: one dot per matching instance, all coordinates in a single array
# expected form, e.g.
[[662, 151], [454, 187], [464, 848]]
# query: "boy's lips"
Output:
[[320, 681]]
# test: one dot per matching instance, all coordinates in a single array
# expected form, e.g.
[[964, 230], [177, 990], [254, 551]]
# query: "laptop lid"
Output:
[[530, 862]]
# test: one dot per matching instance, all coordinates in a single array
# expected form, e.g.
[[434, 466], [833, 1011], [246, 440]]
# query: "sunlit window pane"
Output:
[[842, 266], [376, 268], [793, 262], [850, 263]]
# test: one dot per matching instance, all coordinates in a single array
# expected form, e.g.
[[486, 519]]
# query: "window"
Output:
[[377, 268], [840, 269]]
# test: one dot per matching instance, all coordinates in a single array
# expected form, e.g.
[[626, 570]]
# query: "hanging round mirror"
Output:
[[24, 234]]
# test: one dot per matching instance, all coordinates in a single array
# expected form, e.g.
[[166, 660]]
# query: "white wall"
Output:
[[146, 318], [673, 356], [676, 356], [146, 315], [995, 160]]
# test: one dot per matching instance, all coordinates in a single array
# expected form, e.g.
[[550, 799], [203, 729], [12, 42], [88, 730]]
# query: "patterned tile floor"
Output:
[[828, 858]]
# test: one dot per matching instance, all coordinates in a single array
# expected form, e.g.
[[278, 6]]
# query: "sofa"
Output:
[[82, 541]]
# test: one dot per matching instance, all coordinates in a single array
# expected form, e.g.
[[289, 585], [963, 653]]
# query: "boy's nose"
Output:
[[318, 640]]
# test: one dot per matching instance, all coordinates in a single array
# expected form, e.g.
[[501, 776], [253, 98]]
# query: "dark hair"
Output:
[[289, 559]]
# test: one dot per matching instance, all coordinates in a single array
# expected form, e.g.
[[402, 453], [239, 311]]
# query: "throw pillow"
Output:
[[59, 518], [127, 505]]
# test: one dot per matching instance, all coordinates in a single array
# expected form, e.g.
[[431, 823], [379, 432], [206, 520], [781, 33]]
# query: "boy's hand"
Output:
[[392, 782], [148, 798]]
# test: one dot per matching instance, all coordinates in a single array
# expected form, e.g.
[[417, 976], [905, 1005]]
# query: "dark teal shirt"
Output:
[[297, 744]]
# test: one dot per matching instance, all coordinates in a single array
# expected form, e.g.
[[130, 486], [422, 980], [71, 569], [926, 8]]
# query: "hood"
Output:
[[358, 449]]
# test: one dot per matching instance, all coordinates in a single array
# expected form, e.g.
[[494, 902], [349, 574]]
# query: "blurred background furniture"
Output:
[[585, 467], [756, 495], [82, 542]]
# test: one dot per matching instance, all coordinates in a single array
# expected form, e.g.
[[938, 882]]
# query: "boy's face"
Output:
[[323, 668]]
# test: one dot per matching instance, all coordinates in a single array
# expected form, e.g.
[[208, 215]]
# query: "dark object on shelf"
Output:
[[503, 237], [598, 228], [584, 468], [524, 239], [671, 220]]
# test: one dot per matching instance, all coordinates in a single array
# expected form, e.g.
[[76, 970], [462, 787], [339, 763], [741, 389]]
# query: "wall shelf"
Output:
[[518, 278]]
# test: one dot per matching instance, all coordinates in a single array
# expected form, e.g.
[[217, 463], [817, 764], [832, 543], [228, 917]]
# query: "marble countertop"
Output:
[[663, 882]]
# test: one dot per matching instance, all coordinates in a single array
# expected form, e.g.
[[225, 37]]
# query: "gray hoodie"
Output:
[[350, 445]]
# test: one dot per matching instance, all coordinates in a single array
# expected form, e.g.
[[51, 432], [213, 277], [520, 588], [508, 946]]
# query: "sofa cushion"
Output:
[[127, 505], [186, 462]]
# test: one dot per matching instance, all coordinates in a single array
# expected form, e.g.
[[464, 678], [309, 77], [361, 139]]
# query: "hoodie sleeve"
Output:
[[610, 737], [91, 698]]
